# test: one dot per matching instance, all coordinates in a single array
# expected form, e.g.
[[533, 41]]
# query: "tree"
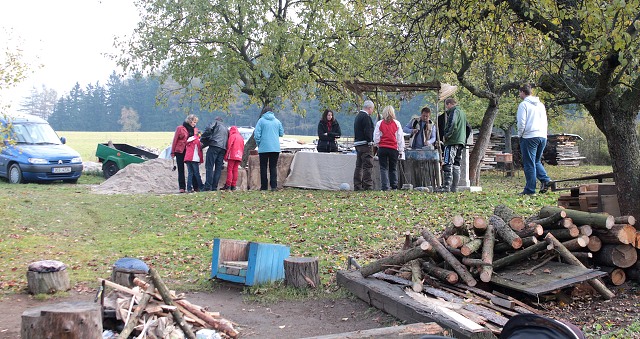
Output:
[[129, 120], [40, 103]]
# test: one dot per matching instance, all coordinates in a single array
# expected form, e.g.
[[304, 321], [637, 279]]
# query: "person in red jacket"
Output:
[[179, 145], [389, 138], [235, 150]]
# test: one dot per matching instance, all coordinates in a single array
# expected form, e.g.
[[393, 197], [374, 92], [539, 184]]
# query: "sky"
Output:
[[67, 37]]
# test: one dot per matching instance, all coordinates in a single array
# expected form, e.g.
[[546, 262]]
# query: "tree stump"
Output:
[[126, 269], [76, 320], [47, 276], [301, 272]]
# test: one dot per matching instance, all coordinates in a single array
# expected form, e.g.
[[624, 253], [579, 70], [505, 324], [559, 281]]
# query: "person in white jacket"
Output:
[[532, 131]]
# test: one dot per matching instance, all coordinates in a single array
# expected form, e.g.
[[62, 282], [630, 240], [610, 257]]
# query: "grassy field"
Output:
[[86, 142]]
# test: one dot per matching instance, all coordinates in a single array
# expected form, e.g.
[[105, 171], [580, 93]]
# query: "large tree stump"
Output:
[[67, 320], [47, 276], [301, 272], [126, 269]]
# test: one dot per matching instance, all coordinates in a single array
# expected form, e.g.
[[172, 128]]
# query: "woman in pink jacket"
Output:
[[235, 150], [179, 146], [193, 157]]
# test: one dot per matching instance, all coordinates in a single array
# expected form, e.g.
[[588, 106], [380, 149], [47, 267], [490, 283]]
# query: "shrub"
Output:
[[594, 145]]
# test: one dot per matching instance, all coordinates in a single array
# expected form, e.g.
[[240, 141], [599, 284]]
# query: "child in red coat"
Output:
[[235, 150]]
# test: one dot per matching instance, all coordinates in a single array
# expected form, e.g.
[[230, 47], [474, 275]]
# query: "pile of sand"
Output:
[[151, 176]]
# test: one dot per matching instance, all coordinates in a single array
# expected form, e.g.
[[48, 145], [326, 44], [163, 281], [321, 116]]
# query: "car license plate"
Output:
[[61, 170]]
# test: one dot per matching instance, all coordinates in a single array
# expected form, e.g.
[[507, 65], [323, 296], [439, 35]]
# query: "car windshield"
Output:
[[35, 134]]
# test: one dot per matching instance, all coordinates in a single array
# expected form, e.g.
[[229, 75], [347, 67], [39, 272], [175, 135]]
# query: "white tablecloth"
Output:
[[324, 171]]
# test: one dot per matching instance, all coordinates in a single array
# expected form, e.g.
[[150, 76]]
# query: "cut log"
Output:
[[519, 255], [550, 220], [416, 275], [503, 247], [505, 232], [301, 272], [166, 297], [596, 220], [616, 276], [400, 258], [576, 243], [516, 222], [586, 258], [487, 254], [616, 255], [531, 229], [455, 227], [565, 233], [457, 241], [69, 320], [471, 247], [569, 258], [585, 230], [449, 258], [595, 244], [47, 276], [479, 225], [625, 219], [440, 273], [618, 234], [219, 324]]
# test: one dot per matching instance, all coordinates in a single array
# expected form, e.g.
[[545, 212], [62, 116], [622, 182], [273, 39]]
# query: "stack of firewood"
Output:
[[150, 309], [468, 251]]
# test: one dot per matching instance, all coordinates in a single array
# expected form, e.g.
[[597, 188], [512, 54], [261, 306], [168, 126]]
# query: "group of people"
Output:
[[222, 143], [387, 140]]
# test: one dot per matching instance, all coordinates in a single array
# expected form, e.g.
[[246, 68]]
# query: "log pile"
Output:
[[594, 197], [151, 309], [449, 268], [561, 150]]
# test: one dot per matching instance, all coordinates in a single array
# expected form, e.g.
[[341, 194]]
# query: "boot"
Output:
[[456, 178], [446, 178], [225, 187]]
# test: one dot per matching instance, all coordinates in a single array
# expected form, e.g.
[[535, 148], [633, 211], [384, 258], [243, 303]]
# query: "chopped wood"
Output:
[[577, 243], [565, 233], [503, 247], [479, 225], [416, 275], [585, 230], [616, 255], [487, 254], [595, 244], [505, 232], [516, 222], [471, 247], [519, 255], [166, 297], [550, 220], [625, 219], [449, 258], [440, 273], [457, 220], [616, 276], [457, 241], [596, 220], [618, 234], [530, 229], [399, 258], [133, 321], [221, 325], [567, 256]]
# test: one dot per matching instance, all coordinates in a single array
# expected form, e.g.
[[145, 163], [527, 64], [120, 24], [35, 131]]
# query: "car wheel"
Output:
[[109, 168], [15, 174]]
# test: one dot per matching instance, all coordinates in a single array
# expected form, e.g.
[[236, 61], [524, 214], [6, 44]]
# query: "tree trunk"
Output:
[[75, 320], [482, 142], [301, 272]]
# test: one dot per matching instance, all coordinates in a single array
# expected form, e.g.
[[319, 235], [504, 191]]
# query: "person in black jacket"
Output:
[[215, 137], [363, 142], [328, 132]]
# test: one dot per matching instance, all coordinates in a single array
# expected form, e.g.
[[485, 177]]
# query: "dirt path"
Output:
[[280, 320]]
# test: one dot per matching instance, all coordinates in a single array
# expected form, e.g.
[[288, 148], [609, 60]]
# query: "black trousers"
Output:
[[269, 159]]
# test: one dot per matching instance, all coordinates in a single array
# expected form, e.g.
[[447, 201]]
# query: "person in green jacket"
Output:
[[455, 139]]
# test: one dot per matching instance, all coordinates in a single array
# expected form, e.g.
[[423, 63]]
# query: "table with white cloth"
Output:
[[325, 171]]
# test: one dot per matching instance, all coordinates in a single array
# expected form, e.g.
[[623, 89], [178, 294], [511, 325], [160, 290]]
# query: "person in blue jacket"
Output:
[[267, 135]]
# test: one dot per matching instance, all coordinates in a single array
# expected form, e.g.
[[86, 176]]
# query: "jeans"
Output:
[[362, 180], [270, 159], [213, 167], [193, 176], [388, 159], [531, 149]]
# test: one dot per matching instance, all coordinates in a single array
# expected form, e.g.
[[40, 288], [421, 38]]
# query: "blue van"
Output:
[[33, 152]]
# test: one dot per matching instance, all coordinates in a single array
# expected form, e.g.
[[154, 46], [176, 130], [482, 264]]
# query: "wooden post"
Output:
[[569, 258], [301, 272], [69, 320]]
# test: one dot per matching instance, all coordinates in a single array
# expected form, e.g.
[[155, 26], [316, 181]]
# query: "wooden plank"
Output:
[[410, 331], [551, 276], [393, 300], [239, 264]]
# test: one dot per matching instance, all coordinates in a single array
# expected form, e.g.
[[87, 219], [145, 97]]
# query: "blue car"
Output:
[[33, 152]]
